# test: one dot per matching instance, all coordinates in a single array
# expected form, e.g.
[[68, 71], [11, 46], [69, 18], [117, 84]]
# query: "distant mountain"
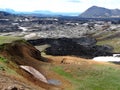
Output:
[[4, 14], [49, 13], [40, 13], [100, 12], [8, 10]]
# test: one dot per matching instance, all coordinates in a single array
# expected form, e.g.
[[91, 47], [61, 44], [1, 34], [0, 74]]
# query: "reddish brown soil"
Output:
[[25, 54], [21, 53]]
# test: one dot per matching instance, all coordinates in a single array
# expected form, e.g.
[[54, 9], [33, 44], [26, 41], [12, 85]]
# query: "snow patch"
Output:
[[107, 59], [35, 73]]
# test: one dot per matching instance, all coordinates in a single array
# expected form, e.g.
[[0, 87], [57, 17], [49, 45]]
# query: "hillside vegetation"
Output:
[[88, 75], [115, 43], [70, 73], [8, 39], [111, 38]]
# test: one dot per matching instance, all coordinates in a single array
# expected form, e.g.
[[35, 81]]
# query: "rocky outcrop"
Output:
[[85, 41], [84, 47], [22, 53], [22, 49], [70, 61]]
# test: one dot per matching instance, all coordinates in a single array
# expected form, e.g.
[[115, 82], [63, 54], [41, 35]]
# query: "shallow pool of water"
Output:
[[54, 82]]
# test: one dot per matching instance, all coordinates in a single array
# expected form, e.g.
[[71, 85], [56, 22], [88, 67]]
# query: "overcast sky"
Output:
[[57, 5]]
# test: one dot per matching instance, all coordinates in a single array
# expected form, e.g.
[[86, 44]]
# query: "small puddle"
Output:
[[54, 82]]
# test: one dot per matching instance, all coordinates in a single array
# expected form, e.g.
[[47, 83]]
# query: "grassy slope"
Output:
[[11, 77], [4, 66], [111, 38], [84, 76], [91, 77], [8, 68], [115, 43], [7, 39]]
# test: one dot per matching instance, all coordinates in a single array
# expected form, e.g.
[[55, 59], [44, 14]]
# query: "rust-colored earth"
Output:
[[22, 53]]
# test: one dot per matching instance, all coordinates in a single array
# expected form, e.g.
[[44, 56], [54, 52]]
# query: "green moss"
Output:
[[2, 59], [8, 39], [4, 66], [115, 43], [98, 77], [60, 71]]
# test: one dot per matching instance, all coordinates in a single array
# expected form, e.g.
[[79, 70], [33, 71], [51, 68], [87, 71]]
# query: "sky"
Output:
[[58, 5]]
